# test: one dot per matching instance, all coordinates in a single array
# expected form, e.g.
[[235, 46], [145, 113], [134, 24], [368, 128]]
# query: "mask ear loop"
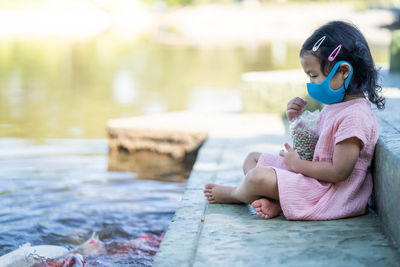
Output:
[[347, 81], [337, 50], [334, 69]]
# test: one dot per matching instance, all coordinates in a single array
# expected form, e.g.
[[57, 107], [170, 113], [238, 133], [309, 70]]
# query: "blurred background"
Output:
[[69, 66], [66, 67]]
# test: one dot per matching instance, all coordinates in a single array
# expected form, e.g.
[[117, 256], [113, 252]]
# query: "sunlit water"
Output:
[[59, 88], [59, 191]]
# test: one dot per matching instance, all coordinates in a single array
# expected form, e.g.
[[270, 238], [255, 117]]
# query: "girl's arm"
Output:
[[345, 156]]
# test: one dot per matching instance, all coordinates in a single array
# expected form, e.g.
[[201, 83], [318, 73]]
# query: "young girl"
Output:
[[337, 182]]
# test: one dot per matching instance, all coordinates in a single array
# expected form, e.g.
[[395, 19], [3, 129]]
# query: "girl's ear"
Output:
[[345, 69]]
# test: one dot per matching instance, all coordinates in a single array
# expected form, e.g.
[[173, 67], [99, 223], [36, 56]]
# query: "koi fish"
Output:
[[144, 243], [28, 255], [53, 256], [93, 246], [72, 260]]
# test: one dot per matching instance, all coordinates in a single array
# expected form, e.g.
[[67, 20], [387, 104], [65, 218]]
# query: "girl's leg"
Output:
[[258, 183], [265, 208], [250, 162], [259, 188]]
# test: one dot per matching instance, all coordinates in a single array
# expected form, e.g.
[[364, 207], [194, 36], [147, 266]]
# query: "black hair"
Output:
[[355, 50]]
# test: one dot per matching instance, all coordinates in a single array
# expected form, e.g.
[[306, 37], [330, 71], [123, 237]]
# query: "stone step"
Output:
[[180, 133], [175, 134], [386, 166], [202, 234]]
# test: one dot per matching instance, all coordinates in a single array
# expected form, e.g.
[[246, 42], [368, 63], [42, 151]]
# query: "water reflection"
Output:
[[279, 52], [125, 88], [62, 88], [152, 166]]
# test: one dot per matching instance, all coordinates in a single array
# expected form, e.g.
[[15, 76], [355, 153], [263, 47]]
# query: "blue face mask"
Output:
[[323, 92]]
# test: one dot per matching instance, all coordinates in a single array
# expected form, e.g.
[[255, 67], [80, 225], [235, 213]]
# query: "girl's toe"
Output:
[[208, 186], [256, 204]]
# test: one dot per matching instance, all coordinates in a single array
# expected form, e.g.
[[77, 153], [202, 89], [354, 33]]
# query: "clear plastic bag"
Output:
[[303, 133]]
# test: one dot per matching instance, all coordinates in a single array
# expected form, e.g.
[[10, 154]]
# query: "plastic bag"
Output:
[[303, 133]]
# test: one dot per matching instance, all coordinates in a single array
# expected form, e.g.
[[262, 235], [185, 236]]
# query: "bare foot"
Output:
[[219, 194], [266, 209]]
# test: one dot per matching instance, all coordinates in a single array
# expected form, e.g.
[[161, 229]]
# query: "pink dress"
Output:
[[305, 198]]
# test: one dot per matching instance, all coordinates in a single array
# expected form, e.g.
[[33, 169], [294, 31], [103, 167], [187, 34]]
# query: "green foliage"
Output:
[[395, 51]]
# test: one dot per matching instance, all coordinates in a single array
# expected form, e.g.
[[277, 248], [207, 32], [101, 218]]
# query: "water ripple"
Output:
[[54, 194]]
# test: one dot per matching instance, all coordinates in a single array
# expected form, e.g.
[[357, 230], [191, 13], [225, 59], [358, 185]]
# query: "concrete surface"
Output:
[[203, 234], [387, 166]]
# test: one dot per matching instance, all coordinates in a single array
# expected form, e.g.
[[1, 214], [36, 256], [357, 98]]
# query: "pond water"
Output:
[[57, 182], [59, 191], [55, 88]]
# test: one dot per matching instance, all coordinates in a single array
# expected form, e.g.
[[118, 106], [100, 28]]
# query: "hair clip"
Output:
[[318, 43], [337, 50]]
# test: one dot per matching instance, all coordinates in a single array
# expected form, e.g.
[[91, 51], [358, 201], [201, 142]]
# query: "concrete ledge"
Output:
[[181, 240], [233, 235], [386, 168]]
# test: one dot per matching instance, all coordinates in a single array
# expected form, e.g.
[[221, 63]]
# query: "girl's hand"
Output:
[[295, 107], [290, 157]]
